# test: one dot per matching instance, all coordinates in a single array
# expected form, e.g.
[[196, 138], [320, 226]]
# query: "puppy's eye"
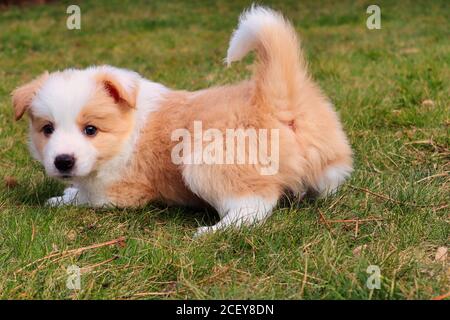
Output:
[[48, 129], [90, 131]]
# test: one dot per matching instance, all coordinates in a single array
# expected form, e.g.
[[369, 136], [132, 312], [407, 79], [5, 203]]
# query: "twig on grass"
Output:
[[149, 294], [93, 266], [356, 229], [354, 220], [431, 142], [214, 276], [443, 174], [336, 201], [442, 296], [181, 290], [33, 231], [119, 241], [322, 217], [385, 197], [305, 276]]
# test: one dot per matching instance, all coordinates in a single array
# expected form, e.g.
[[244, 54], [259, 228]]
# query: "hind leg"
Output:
[[242, 211], [241, 195], [332, 177]]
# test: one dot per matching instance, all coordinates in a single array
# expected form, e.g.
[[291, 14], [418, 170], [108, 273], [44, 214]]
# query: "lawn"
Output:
[[390, 86]]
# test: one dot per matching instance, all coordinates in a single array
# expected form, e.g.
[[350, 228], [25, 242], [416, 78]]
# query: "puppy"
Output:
[[117, 137]]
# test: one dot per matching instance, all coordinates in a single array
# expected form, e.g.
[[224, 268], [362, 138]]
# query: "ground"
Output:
[[390, 86]]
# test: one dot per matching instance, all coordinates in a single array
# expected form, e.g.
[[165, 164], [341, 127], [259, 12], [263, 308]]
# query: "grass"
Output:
[[380, 81]]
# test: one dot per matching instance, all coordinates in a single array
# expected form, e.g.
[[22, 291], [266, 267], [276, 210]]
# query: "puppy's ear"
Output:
[[121, 92], [22, 96]]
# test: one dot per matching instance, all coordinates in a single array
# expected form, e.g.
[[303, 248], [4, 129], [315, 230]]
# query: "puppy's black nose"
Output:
[[64, 162]]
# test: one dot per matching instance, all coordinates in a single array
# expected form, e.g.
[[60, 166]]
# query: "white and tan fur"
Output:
[[128, 162]]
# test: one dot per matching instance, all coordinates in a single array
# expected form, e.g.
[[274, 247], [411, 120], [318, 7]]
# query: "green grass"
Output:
[[378, 80]]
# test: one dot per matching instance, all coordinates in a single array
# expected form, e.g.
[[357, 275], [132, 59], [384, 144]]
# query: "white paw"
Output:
[[202, 231], [55, 202], [69, 197]]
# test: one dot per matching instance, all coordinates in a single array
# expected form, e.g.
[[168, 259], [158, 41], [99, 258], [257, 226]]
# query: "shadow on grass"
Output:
[[36, 193], [160, 213], [32, 193]]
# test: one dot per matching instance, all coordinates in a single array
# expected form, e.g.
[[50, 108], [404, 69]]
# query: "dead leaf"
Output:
[[409, 50], [441, 254], [359, 249], [210, 77], [71, 235], [10, 182], [428, 103]]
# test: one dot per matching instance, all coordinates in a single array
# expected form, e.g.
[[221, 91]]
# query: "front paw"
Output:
[[201, 231], [69, 197], [55, 202]]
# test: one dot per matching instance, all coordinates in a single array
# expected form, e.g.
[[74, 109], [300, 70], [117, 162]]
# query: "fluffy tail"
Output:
[[280, 69]]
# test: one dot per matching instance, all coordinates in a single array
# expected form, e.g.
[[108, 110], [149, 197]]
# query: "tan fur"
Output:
[[311, 137], [38, 138], [114, 121], [116, 91], [22, 96], [280, 96], [316, 143]]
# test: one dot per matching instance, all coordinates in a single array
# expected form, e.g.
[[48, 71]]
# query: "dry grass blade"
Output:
[[305, 277], [442, 296], [443, 174], [385, 197], [325, 221], [89, 268], [355, 220], [119, 241], [154, 294]]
